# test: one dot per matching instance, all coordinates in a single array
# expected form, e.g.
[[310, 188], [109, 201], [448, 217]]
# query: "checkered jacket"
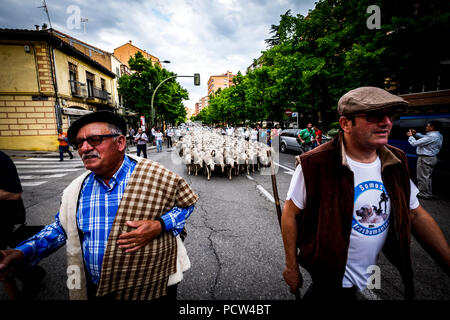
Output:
[[151, 191]]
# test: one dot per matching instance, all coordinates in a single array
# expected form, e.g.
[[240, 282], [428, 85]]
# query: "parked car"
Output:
[[399, 139], [288, 140]]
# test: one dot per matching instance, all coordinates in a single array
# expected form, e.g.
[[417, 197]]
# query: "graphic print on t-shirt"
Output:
[[371, 204]]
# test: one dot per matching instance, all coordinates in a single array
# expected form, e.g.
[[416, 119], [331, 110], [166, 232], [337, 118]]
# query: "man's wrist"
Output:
[[163, 225]]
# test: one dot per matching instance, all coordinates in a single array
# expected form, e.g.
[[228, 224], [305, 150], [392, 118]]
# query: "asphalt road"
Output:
[[234, 241]]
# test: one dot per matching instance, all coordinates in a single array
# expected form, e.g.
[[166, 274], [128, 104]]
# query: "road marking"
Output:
[[50, 163], [49, 176], [48, 170], [32, 184], [289, 172], [52, 159], [249, 177], [48, 166], [284, 167], [265, 193]]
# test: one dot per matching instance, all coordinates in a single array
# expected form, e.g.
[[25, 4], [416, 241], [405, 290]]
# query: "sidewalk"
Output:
[[21, 154]]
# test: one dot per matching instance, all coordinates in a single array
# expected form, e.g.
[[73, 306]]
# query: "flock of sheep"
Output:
[[204, 150]]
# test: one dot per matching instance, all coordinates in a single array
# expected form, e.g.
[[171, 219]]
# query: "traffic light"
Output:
[[196, 79]]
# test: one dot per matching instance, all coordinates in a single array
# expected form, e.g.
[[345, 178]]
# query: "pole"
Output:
[[152, 111], [277, 204]]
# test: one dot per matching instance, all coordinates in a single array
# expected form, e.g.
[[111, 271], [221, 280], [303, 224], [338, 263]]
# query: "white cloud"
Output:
[[208, 37]]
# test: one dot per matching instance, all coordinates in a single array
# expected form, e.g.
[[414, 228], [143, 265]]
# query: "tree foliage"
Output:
[[137, 90], [312, 61]]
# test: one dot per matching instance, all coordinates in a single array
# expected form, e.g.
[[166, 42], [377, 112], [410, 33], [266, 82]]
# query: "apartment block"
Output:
[[222, 81]]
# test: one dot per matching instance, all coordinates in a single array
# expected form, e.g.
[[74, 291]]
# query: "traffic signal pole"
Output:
[[196, 77]]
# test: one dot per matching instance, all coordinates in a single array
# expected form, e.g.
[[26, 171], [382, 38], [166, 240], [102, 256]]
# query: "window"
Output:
[[103, 84], [73, 78], [90, 83]]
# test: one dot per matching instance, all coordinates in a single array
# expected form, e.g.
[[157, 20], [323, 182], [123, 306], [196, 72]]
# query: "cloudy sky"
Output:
[[198, 36]]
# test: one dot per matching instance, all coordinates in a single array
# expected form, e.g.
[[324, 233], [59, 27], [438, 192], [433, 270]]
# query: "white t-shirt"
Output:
[[371, 217], [159, 136], [254, 134]]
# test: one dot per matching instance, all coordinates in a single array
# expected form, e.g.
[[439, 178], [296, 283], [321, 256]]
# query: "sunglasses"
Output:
[[378, 116], [92, 140]]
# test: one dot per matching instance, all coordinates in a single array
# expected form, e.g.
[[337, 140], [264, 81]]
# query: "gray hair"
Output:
[[115, 130]]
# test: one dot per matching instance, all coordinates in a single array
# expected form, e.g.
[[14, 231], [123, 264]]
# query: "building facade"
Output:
[[46, 84], [128, 50], [220, 82]]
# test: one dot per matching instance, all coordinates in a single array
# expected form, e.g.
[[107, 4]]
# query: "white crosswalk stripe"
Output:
[[37, 171]]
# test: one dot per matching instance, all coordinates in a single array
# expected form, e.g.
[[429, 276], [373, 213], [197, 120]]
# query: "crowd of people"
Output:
[[155, 136]]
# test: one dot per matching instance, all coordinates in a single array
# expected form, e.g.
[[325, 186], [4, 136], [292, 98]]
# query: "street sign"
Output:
[[288, 112], [294, 114]]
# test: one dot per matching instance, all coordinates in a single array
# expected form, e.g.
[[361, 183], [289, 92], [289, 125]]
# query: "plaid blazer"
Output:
[[151, 191]]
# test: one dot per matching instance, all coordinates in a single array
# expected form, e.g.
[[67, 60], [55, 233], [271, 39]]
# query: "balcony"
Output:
[[86, 91], [99, 94], [78, 89]]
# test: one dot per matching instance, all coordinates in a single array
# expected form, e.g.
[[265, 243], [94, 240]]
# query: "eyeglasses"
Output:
[[92, 140], [378, 116]]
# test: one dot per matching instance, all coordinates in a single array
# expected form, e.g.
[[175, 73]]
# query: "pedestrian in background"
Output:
[[254, 135], [305, 137], [370, 205], [63, 145], [159, 140], [131, 133], [318, 139], [122, 243], [428, 147], [152, 137], [141, 140], [169, 135]]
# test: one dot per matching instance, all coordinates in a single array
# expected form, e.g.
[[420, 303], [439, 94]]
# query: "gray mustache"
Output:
[[90, 155]]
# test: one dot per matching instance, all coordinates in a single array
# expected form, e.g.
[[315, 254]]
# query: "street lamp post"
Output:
[[196, 77]]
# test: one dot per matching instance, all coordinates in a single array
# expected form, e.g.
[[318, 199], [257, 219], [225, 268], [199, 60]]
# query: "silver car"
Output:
[[288, 140]]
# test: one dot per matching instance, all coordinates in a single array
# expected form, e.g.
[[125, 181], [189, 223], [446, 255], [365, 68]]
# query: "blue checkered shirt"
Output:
[[97, 207]]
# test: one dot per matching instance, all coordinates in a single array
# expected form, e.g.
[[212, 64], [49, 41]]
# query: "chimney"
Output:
[[130, 42], [37, 27], [44, 26]]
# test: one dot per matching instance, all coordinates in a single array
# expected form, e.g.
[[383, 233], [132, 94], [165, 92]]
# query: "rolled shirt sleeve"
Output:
[[44, 243], [175, 219]]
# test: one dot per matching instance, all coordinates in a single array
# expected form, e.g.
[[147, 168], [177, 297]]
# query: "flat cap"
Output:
[[100, 116], [365, 99]]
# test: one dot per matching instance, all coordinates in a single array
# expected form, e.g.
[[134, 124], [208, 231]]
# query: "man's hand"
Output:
[[145, 231], [9, 259], [293, 278]]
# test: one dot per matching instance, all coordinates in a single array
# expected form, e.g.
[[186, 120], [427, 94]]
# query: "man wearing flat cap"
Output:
[[121, 220], [351, 198]]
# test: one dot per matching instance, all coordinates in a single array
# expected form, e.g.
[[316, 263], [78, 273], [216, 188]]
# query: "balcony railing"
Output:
[[78, 89], [101, 94], [81, 90]]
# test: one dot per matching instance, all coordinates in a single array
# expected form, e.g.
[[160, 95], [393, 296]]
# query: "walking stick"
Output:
[[277, 204]]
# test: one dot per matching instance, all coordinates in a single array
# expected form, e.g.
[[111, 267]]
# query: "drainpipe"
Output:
[[55, 85]]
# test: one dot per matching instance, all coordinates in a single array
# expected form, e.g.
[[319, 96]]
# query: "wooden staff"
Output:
[[277, 204]]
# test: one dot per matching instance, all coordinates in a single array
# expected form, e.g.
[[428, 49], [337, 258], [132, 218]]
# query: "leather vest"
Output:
[[325, 224]]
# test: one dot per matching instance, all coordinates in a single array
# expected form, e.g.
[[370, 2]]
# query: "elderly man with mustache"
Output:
[[121, 221]]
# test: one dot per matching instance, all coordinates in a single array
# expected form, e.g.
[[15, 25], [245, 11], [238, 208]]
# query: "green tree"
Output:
[[137, 89]]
